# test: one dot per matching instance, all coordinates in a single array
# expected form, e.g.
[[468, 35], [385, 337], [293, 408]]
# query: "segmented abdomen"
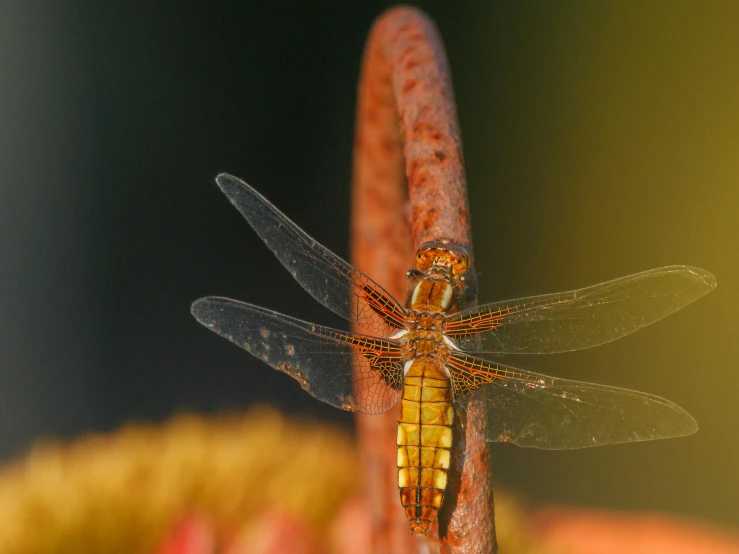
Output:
[[424, 441]]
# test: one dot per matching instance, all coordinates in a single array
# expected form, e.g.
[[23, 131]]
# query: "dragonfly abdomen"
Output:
[[424, 441]]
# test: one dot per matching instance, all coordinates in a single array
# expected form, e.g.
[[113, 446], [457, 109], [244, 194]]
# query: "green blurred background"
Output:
[[601, 139]]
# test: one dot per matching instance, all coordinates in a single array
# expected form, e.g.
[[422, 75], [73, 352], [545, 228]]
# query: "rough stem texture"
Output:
[[407, 132]]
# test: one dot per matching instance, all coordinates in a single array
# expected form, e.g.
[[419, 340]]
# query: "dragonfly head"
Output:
[[444, 260]]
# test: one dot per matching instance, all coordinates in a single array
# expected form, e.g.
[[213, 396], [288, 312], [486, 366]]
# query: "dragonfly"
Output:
[[432, 352]]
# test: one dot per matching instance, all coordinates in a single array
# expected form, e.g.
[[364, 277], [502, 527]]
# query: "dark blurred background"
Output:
[[601, 139]]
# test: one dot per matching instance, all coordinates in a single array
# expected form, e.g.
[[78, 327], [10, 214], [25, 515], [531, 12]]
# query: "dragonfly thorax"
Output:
[[432, 295], [424, 335]]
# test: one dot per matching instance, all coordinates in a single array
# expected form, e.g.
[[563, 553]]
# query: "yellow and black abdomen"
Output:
[[424, 441]]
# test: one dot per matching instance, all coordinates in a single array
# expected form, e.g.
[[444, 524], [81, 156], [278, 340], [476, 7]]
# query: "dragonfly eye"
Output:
[[459, 260], [423, 260]]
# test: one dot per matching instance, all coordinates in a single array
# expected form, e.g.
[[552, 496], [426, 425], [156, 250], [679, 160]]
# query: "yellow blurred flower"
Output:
[[122, 492]]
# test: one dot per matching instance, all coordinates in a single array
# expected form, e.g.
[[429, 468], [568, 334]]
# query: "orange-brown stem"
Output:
[[407, 131]]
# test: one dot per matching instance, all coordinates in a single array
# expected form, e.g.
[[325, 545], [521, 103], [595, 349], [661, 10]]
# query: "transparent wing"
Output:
[[581, 318], [544, 412], [329, 279], [349, 371]]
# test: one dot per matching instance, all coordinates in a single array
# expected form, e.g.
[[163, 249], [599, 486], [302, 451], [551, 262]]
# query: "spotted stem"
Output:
[[407, 132]]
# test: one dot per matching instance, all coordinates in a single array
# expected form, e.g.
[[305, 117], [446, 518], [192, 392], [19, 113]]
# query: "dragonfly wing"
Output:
[[329, 279], [349, 371], [532, 410], [581, 318]]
